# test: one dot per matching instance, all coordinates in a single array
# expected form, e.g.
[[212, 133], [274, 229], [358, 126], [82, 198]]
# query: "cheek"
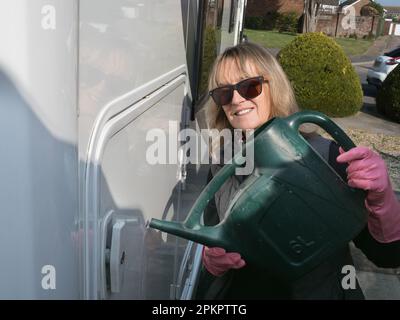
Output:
[[264, 106], [227, 111]]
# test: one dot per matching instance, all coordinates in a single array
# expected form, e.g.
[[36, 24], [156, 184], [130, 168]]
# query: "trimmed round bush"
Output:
[[388, 97], [322, 75]]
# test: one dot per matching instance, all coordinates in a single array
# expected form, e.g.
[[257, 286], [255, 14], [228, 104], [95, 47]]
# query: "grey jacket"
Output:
[[324, 282]]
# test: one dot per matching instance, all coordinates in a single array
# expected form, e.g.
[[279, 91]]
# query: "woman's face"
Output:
[[243, 113]]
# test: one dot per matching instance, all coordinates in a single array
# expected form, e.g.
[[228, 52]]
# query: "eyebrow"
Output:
[[223, 84]]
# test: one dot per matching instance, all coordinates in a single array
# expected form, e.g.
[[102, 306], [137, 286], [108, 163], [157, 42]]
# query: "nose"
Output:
[[237, 98]]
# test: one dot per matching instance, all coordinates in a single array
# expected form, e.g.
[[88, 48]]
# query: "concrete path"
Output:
[[380, 46], [368, 119], [376, 283]]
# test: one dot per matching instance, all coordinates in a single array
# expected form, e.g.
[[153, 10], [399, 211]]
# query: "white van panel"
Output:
[[39, 161], [81, 82], [123, 45], [120, 179]]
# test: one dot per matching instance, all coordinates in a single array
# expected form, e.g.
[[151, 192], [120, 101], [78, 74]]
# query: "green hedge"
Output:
[[255, 23], [287, 22], [209, 56], [283, 22], [322, 75], [388, 98]]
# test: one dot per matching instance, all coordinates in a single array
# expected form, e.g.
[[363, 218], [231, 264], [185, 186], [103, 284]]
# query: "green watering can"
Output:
[[291, 213]]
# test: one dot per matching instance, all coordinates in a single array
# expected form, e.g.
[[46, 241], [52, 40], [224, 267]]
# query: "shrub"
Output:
[[287, 22], [370, 36], [255, 23], [322, 76], [378, 7], [353, 36], [369, 11], [388, 98], [209, 56], [270, 20]]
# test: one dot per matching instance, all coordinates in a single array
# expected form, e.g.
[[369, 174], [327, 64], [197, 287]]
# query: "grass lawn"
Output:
[[274, 39], [353, 47]]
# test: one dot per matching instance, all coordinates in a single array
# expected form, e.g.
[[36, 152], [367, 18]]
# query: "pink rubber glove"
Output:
[[367, 171], [217, 261]]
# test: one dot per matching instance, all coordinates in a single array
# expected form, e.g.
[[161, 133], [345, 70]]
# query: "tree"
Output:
[[369, 11], [311, 10], [377, 6]]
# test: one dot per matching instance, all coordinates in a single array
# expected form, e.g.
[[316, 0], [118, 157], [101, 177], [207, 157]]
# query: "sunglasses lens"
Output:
[[250, 89], [222, 96]]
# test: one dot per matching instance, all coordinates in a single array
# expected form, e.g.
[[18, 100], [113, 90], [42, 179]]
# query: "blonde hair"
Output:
[[283, 102]]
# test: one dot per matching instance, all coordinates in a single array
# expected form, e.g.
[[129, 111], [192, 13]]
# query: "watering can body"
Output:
[[291, 213]]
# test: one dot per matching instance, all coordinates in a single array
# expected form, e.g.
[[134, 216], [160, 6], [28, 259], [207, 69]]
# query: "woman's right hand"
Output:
[[367, 170], [217, 261]]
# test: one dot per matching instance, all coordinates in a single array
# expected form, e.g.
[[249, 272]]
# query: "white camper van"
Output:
[[82, 82]]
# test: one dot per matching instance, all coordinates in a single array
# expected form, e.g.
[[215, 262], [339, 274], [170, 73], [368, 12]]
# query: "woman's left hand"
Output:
[[367, 171]]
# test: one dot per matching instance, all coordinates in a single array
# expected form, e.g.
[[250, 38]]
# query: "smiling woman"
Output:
[[253, 69], [248, 88]]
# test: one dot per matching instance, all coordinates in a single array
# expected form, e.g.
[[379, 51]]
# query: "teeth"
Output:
[[241, 112]]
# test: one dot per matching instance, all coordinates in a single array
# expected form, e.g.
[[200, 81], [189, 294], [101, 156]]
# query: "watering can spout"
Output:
[[192, 228], [205, 235]]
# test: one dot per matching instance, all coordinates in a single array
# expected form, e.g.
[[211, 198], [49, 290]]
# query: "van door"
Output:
[[127, 185], [137, 262], [133, 88]]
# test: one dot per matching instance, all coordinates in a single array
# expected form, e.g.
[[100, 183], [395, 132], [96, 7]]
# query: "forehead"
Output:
[[232, 71]]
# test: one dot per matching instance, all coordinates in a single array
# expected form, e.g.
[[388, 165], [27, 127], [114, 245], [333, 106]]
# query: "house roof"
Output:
[[347, 3], [390, 10], [329, 2]]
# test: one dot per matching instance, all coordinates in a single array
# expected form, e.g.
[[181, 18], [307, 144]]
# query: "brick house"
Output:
[[336, 18], [354, 4], [392, 28], [392, 12], [348, 20], [258, 8]]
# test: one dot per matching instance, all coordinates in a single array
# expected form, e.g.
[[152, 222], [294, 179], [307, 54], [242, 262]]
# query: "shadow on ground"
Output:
[[370, 107], [369, 91]]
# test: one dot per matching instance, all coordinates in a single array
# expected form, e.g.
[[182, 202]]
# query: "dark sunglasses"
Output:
[[248, 89]]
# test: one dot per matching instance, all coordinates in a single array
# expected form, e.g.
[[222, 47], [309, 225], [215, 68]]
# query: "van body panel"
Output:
[[82, 83], [39, 164]]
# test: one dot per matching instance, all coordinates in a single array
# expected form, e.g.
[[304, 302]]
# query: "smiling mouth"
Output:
[[243, 112]]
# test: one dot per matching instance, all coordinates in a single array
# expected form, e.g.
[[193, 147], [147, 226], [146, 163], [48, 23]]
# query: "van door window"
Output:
[[210, 40]]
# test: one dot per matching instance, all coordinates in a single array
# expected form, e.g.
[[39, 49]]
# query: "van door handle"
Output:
[[117, 256]]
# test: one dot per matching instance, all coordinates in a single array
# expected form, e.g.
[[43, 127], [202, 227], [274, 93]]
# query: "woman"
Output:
[[248, 87]]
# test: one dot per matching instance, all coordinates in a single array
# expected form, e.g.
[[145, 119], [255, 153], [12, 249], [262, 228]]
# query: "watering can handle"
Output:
[[192, 228], [318, 118]]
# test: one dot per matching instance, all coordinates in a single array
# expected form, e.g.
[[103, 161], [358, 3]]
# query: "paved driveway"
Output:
[[376, 283], [368, 118]]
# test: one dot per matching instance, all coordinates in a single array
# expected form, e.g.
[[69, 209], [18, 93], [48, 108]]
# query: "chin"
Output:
[[248, 125]]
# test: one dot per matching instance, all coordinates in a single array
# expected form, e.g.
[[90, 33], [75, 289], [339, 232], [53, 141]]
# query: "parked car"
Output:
[[383, 65], [393, 53]]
